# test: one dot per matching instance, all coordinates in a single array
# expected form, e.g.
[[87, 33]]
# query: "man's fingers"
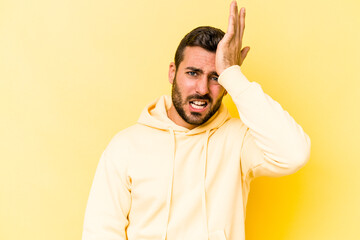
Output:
[[238, 26], [231, 45], [232, 26], [241, 23], [235, 13], [237, 22]]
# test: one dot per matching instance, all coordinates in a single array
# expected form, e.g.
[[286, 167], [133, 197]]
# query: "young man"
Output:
[[184, 170]]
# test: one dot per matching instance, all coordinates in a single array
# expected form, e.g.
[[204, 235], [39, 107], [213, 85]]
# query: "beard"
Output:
[[194, 118]]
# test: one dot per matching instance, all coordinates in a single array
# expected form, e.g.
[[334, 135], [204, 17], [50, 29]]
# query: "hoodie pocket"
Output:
[[217, 235]]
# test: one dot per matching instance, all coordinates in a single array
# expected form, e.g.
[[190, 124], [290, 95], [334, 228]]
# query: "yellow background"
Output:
[[73, 73]]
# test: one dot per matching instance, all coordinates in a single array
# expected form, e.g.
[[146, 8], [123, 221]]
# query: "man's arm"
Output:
[[274, 144], [106, 215]]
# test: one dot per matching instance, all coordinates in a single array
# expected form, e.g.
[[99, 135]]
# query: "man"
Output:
[[184, 170]]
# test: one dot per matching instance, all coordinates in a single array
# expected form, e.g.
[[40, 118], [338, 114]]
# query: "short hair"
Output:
[[205, 36]]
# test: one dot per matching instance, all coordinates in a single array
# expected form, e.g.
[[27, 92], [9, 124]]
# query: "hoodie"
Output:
[[158, 180]]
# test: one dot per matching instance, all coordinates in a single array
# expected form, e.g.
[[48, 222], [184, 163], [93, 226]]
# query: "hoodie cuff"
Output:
[[233, 80]]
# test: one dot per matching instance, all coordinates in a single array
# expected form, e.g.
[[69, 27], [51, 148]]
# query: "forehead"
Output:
[[198, 57]]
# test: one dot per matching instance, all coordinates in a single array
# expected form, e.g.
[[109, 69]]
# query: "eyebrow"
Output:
[[201, 71]]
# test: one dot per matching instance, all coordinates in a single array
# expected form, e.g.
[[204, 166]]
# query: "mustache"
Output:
[[198, 96]]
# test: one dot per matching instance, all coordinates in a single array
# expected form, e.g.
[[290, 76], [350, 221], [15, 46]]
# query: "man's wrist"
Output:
[[233, 80]]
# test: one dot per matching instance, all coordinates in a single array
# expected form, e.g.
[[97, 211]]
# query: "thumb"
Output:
[[244, 53]]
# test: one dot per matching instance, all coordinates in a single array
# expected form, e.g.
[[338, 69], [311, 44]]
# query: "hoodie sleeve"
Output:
[[274, 144], [106, 215]]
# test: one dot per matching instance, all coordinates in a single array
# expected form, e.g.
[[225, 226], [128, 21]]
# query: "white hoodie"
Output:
[[158, 180]]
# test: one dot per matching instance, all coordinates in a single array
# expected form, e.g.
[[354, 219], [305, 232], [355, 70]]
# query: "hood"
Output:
[[155, 115]]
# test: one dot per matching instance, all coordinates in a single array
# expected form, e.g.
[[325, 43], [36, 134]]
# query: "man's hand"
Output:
[[229, 50]]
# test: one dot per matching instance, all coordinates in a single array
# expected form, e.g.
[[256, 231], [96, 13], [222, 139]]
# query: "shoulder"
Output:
[[121, 143], [125, 138], [233, 129], [233, 124]]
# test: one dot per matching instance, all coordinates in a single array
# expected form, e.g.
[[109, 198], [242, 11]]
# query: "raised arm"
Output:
[[274, 144]]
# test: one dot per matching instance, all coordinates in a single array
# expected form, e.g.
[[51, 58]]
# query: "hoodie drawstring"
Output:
[[203, 197], [203, 193], [172, 167]]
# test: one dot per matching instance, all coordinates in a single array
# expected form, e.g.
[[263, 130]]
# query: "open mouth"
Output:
[[198, 104]]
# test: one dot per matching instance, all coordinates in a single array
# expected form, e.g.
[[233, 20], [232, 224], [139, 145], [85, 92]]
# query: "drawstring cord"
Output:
[[172, 166], [203, 197]]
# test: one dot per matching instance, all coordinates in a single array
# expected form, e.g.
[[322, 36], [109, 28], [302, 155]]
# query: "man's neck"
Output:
[[177, 119]]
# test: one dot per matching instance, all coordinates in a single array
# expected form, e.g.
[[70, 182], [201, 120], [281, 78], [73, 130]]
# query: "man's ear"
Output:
[[172, 71]]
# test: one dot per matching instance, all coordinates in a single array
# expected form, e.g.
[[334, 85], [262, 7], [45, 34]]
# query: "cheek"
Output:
[[217, 91], [186, 86]]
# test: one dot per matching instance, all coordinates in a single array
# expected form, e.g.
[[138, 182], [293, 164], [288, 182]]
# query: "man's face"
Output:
[[196, 93]]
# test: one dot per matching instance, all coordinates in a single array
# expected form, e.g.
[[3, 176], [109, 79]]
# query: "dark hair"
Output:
[[206, 37]]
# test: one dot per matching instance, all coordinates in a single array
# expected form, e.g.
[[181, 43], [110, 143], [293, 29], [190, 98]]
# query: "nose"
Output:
[[202, 85]]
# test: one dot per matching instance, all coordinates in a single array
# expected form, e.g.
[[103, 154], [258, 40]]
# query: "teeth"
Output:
[[199, 103], [196, 106]]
